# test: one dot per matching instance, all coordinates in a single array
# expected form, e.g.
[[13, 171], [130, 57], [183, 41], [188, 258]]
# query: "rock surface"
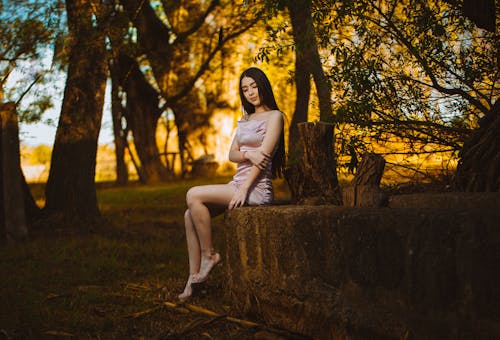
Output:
[[359, 273], [465, 200]]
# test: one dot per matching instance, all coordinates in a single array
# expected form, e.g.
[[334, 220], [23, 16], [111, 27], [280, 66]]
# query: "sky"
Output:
[[44, 131]]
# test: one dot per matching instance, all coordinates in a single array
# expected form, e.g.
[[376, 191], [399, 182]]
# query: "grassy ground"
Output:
[[111, 279]]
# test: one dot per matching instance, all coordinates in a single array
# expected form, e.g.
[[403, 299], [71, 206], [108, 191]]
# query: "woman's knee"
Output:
[[191, 196]]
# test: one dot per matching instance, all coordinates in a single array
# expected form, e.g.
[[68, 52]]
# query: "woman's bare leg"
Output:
[[199, 199], [203, 202], [194, 253]]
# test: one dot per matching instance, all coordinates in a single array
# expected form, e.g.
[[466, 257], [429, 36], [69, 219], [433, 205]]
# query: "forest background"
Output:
[[415, 81], [408, 80]]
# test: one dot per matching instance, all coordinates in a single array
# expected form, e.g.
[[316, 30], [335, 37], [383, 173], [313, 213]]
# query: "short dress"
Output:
[[250, 135]]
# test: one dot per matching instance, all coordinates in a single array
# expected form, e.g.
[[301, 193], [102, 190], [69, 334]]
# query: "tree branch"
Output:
[[450, 129], [145, 19], [206, 63], [416, 126], [460, 78], [413, 51], [415, 152], [29, 88], [10, 67], [181, 36]]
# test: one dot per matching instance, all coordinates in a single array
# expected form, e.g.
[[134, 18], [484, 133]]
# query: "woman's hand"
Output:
[[259, 158], [239, 198]]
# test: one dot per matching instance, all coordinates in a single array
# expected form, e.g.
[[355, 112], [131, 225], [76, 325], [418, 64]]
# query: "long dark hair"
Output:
[[266, 96]]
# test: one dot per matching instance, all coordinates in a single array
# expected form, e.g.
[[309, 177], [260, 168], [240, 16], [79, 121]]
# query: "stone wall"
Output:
[[365, 273]]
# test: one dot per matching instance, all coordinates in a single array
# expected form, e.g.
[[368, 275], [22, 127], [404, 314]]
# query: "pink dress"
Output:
[[250, 135]]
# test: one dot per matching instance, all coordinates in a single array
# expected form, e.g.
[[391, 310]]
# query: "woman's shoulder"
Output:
[[272, 114], [263, 116], [275, 115], [275, 112]]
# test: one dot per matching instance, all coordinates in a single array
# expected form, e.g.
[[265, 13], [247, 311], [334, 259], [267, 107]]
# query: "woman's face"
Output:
[[250, 91]]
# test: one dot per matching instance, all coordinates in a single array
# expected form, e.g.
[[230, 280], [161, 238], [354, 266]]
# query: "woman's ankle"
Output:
[[208, 253]]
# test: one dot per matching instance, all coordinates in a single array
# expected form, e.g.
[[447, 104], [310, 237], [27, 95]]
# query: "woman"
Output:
[[258, 148]]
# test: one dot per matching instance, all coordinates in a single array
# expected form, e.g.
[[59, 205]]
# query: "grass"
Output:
[[94, 282], [66, 282]]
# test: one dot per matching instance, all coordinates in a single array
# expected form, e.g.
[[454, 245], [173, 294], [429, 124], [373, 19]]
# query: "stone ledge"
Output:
[[447, 200], [328, 271]]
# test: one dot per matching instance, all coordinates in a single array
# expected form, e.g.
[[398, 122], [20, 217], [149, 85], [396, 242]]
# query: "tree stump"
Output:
[[314, 179], [364, 189], [12, 195]]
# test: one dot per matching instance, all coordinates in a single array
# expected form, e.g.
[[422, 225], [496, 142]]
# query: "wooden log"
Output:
[[364, 189], [314, 178], [14, 213]]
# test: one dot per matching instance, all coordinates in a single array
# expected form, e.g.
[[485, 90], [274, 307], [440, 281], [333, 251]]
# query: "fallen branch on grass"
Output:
[[141, 313], [218, 317], [201, 310], [215, 317]]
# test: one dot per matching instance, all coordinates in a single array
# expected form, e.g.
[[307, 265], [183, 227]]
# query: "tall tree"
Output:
[[307, 63], [26, 29], [142, 113], [12, 209], [479, 164], [167, 34], [70, 188], [119, 133]]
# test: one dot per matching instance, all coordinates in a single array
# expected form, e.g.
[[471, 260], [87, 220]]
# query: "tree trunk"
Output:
[[482, 12], [182, 132], [315, 66], [304, 178], [191, 118], [142, 116], [307, 62], [323, 88], [314, 179], [301, 25], [71, 187], [364, 190], [13, 212], [118, 132], [152, 36], [479, 165]]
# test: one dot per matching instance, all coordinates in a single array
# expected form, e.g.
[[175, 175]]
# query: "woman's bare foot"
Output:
[[188, 290], [207, 264]]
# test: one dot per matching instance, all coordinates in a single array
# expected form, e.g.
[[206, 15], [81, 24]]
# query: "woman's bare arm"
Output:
[[235, 155]]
